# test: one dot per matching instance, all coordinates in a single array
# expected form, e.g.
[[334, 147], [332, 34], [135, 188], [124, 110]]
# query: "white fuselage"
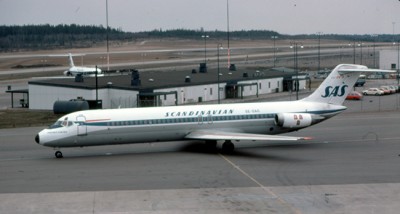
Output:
[[138, 125], [85, 71]]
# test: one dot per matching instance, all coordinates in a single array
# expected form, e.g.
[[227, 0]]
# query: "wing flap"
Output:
[[224, 135]]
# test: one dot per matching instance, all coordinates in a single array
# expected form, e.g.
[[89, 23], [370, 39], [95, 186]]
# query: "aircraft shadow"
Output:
[[267, 152], [246, 152]]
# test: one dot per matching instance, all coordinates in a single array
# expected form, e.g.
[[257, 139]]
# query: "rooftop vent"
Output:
[[232, 67], [203, 68], [135, 78]]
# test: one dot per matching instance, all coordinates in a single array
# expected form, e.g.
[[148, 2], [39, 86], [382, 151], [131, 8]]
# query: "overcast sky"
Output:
[[283, 16]]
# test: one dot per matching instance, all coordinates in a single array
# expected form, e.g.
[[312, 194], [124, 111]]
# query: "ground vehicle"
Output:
[[386, 89], [373, 91], [360, 82], [354, 95], [397, 88], [393, 89]]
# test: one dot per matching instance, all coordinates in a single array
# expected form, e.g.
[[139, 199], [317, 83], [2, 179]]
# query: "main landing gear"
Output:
[[58, 154], [227, 146]]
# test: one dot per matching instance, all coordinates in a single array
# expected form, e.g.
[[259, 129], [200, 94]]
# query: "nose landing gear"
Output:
[[58, 154]]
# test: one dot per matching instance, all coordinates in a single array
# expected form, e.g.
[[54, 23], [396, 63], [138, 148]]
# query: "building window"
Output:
[[210, 91], [269, 85], [260, 86], [393, 66]]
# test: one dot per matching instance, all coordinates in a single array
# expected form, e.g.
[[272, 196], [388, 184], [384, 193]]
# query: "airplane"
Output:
[[217, 122], [85, 71]]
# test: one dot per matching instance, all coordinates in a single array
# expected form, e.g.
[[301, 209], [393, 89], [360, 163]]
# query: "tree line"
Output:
[[35, 37], [14, 38]]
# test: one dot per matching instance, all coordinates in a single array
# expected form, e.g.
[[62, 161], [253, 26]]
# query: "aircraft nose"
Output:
[[37, 139]]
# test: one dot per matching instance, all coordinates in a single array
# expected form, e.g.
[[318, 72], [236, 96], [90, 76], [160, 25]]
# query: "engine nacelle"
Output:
[[294, 120]]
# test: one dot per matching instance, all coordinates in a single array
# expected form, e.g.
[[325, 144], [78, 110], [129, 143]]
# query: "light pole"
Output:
[[43, 61], [219, 46], [341, 52], [319, 50], [398, 61], [354, 51], [361, 53], [374, 36], [274, 38], [295, 46], [107, 35], [393, 23], [205, 47]]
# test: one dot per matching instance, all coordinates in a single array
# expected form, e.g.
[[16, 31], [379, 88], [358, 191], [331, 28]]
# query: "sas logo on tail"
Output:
[[337, 91]]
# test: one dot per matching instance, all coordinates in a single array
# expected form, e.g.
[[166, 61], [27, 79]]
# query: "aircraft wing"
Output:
[[226, 135]]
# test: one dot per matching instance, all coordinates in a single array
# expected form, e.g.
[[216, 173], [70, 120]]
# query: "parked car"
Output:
[[393, 89], [354, 95], [397, 88], [373, 91], [361, 81], [385, 89]]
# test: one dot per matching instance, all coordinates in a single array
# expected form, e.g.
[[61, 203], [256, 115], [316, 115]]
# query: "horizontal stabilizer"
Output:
[[224, 135], [62, 55], [365, 70]]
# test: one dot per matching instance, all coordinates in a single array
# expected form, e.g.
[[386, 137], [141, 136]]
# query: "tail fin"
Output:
[[339, 83], [71, 61]]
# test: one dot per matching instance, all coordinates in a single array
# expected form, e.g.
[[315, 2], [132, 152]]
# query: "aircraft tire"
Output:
[[228, 146], [58, 154]]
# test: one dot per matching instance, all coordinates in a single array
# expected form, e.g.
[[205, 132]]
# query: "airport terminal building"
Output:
[[130, 89], [389, 59]]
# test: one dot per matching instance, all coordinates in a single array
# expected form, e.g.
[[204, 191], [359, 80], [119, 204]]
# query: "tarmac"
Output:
[[351, 166]]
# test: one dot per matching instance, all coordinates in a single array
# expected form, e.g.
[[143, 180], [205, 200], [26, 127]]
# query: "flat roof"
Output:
[[18, 91], [151, 80]]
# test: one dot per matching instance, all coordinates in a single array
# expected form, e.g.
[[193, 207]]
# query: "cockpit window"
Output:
[[61, 123], [57, 124]]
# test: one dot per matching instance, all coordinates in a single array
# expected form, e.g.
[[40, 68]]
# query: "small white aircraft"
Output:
[[85, 71], [225, 122]]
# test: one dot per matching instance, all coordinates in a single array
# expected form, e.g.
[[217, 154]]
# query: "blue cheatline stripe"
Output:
[[202, 119]]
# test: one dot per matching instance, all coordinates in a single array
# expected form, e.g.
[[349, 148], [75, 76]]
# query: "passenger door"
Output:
[[82, 128]]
